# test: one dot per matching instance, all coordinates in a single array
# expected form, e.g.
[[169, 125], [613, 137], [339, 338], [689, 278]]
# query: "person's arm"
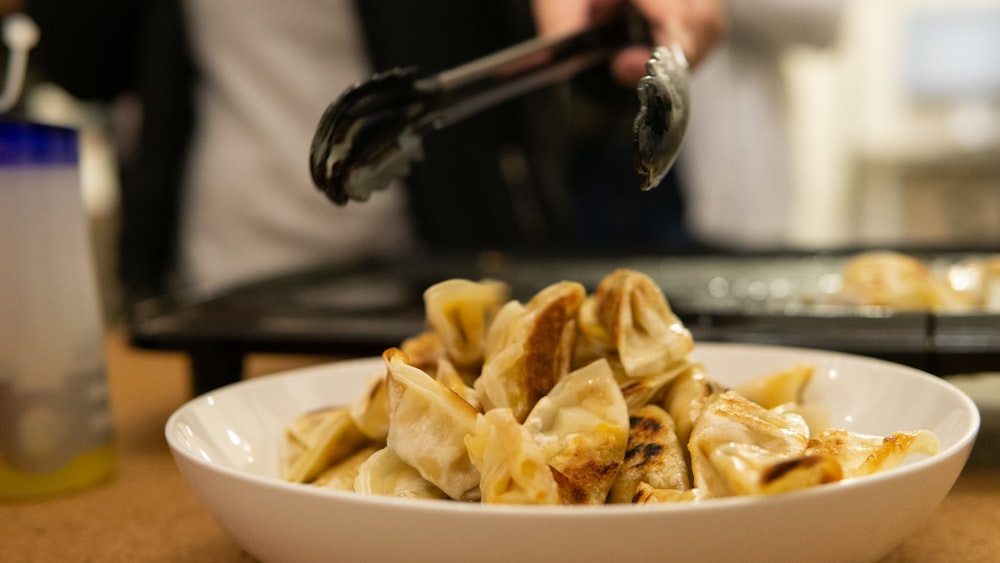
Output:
[[697, 24]]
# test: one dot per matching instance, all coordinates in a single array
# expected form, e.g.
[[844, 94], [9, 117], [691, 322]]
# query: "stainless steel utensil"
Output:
[[372, 132], [664, 106]]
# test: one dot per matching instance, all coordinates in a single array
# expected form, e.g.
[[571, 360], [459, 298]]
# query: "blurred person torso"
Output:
[[735, 163], [267, 71]]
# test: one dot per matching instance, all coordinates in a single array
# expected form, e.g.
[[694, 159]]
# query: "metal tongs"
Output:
[[370, 135]]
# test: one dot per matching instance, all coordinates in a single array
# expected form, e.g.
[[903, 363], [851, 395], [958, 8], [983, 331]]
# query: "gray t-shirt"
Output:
[[268, 70]]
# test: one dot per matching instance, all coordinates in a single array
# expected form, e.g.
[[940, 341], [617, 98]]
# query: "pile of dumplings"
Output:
[[573, 398]]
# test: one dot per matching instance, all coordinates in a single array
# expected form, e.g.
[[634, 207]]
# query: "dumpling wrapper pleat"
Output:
[[738, 447], [628, 315], [460, 312], [384, 473], [582, 428], [654, 456], [533, 351], [513, 468], [428, 423], [317, 440]]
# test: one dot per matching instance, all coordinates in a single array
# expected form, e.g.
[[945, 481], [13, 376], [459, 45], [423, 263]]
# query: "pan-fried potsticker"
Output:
[[316, 441], [384, 473], [512, 466], [778, 388], [532, 351], [568, 451], [648, 494], [370, 412], [582, 428], [654, 456], [862, 454], [784, 392], [740, 448], [446, 374], [896, 280], [628, 317], [686, 396], [341, 475], [652, 388], [460, 311], [428, 423]]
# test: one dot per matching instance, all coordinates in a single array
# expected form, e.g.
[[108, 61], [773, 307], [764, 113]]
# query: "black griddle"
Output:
[[362, 309]]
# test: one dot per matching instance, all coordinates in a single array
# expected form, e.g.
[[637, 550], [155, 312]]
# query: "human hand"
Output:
[[8, 7], [697, 25]]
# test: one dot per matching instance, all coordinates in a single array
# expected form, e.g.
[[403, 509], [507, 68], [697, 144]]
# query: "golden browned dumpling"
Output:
[[532, 349], [512, 466], [862, 454], [424, 350], [686, 396], [653, 456], [895, 280], [640, 391], [384, 473], [778, 388], [370, 412], [317, 440], [628, 316], [582, 428], [448, 375], [647, 494], [460, 312], [740, 448], [428, 423], [341, 475]]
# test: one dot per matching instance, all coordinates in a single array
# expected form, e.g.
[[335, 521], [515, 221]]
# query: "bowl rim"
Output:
[[963, 443]]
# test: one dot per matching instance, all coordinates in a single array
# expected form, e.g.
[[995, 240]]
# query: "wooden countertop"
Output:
[[145, 512]]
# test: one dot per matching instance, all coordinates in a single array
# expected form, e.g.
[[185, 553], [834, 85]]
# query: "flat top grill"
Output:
[[365, 308]]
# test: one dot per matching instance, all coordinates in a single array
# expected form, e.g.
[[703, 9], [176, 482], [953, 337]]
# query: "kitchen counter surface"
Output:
[[145, 512]]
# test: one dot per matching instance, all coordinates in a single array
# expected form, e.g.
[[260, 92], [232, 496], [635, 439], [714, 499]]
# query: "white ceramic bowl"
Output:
[[227, 445]]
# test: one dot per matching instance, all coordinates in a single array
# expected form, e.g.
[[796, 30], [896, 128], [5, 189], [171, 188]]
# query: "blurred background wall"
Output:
[[897, 129]]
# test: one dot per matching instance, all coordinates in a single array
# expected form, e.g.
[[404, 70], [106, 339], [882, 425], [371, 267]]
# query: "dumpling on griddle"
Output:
[[428, 423], [653, 456], [460, 312], [628, 316], [863, 454], [317, 440], [738, 447], [896, 280], [512, 466], [582, 428], [532, 351], [384, 473]]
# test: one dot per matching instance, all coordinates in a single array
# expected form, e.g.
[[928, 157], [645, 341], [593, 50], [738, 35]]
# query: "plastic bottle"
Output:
[[55, 417]]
